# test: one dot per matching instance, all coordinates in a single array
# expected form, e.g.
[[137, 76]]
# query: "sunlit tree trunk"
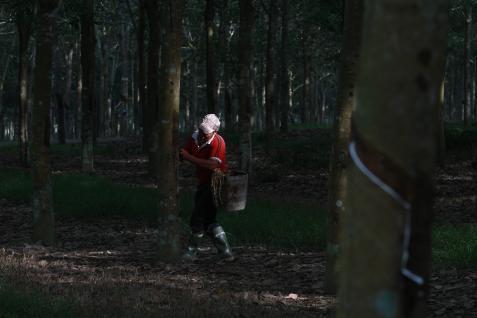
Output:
[[88, 83], [284, 79], [346, 102], [151, 111], [23, 22], [247, 15], [467, 64], [386, 231], [43, 215], [211, 60], [168, 131]]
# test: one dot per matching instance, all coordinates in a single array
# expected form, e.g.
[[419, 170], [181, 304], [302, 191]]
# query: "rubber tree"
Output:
[[43, 215], [284, 77], [167, 129], [386, 231], [247, 15], [24, 26], [467, 63], [88, 83], [211, 58], [340, 160], [270, 71]]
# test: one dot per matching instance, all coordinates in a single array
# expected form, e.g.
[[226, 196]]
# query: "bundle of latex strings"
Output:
[[217, 184]]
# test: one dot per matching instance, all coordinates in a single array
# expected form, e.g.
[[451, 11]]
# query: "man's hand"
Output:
[[185, 154]]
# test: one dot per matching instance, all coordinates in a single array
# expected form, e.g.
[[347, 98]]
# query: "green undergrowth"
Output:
[[265, 222], [21, 304], [70, 149], [274, 223], [455, 246]]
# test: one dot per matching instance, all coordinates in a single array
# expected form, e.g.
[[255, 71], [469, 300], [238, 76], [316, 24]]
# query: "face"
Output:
[[203, 137]]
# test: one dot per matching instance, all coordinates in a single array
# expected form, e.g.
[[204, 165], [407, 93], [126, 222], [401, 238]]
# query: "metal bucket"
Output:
[[236, 191]]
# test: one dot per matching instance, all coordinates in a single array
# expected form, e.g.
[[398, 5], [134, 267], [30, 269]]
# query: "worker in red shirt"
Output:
[[206, 150]]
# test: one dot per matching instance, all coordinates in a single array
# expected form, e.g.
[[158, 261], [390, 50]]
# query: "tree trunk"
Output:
[[168, 131], [59, 89], [141, 68], [151, 112], [23, 21], [270, 72], [212, 98], [467, 64], [124, 111], [88, 77], [43, 216], [67, 91], [7, 59], [247, 12], [284, 79], [340, 159], [79, 91], [386, 229], [224, 42], [195, 95]]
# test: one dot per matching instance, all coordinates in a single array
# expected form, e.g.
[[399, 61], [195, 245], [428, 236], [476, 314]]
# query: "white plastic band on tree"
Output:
[[399, 199]]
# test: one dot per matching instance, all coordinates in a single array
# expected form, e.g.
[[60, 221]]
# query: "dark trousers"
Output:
[[205, 212]]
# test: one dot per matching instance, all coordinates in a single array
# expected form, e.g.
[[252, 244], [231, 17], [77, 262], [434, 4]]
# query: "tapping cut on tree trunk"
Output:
[[43, 215], [386, 229]]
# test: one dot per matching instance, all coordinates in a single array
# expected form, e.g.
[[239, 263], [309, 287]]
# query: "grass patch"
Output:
[[16, 304], [280, 224], [455, 246], [61, 150], [287, 225], [264, 222]]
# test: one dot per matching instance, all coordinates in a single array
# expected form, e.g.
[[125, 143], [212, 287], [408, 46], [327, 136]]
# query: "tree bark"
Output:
[[270, 72], [284, 79], [340, 159], [386, 232], [247, 12], [7, 59], [224, 42], [125, 105], [211, 60], [43, 215], [151, 112], [88, 81], [467, 64], [167, 130], [141, 67], [23, 22]]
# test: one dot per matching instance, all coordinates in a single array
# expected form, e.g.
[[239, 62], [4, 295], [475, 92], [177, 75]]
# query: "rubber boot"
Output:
[[190, 253], [219, 238]]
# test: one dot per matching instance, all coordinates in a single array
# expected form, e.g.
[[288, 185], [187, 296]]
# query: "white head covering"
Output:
[[210, 123]]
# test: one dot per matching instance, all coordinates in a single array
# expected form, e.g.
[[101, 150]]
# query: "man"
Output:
[[206, 149]]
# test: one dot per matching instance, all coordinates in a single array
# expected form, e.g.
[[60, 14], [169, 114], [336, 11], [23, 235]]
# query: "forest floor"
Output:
[[109, 266]]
